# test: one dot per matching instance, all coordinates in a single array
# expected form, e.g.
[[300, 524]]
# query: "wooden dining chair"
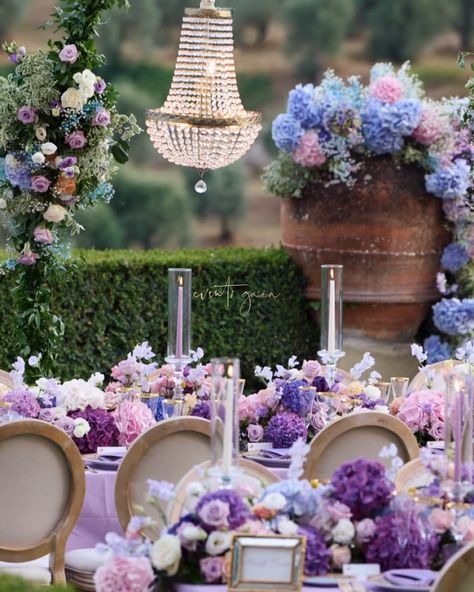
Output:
[[6, 383], [359, 435], [165, 452], [413, 474], [458, 573], [42, 489], [254, 476], [419, 382]]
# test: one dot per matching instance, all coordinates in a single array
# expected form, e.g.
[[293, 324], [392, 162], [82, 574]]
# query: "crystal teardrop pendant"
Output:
[[200, 187]]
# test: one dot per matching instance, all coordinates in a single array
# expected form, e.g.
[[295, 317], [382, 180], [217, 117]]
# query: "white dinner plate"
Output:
[[384, 584]]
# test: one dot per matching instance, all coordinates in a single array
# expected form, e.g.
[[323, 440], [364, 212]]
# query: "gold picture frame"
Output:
[[261, 563]]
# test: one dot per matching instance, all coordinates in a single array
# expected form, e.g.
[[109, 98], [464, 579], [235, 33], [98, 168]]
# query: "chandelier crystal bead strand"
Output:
[[203, 123]]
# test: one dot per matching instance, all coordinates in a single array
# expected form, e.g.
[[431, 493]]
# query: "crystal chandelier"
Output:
[[203, 123]]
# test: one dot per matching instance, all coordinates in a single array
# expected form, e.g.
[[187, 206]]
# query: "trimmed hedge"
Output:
[[115, 299]]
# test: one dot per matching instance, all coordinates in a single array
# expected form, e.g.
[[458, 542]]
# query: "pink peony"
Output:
[[441, 520], [76, 140], [132, 418], [40, 183], [212, 569], [387, 89], [309, 153], [43, 235], [432, 125], [124, 574]]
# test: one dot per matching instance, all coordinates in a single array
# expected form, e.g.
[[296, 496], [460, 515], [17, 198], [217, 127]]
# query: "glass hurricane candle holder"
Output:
[[179, 317], [226, 388]]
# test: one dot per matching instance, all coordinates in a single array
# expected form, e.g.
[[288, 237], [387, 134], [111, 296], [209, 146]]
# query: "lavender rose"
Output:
[[100, 86], [255, 433], [47, 414], [214, 514], [28, 258], [43, 235], [66, 424], [27, 115], [76, 140], [40, 183], [212, 569], [69, 54], [101, 118]]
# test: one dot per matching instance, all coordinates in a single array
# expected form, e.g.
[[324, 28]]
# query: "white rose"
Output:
[[218, 542], [38, 158], [165, 554], [344, 531], [40, 133], [81, 427], [3, 203], [48, 148], [73, 99], [55, 213], [287, 527], [87, 90], [194, 533], [88, 77], [372, 392], [78, 394], [274, 501]]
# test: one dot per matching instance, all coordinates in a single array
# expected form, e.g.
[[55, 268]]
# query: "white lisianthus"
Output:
[[96, 379], [193, 533], [3, 203], [218, 542], [86, 80], [81, 427], [73, 99], [38, 158], [165, 554], [287, 527], [344, 531], [55, 213], [78, 394], [274, 501], [372, 392], [40, 133], [194, 492]]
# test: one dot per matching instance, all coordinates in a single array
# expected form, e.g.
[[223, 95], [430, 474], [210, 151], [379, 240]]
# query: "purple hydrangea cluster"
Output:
[[317, 557], [363, 486], [450, 182], [103, 430], [454, 257], [202, 409], [454, 316], [384, 125], [320, 384], [238, 511], [398, 543], [292, 399], [436, 350], [285, 428], [24, 403]]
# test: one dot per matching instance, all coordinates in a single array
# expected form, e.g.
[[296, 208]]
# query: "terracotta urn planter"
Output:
[[389, 234]]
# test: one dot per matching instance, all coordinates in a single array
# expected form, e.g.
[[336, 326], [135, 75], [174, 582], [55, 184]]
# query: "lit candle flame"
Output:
[[180, 280], [230, 371], [331, 273]]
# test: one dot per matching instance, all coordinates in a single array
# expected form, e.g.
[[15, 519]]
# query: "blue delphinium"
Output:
[[449, 182], [436, 350], [286, 132], [454, 257], [454, 316]]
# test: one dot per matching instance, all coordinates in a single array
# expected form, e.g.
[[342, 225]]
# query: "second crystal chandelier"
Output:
[[203, 123]]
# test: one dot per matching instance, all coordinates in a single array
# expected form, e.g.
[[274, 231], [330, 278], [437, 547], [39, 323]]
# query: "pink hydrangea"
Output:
[[387, 89], [423, 411], [124, 574], [132, 418], [309, 153], [432, 125]]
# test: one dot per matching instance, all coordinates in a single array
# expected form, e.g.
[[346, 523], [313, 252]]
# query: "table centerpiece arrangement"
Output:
[[369, 175]]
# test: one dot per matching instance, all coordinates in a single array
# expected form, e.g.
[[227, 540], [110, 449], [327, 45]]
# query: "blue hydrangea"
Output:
[[405, 116], [454, 257], [286, 132], [449, 182], [436, 350], [336, 113], [104, 191], [454, 316], [300, 101], [18, 171]]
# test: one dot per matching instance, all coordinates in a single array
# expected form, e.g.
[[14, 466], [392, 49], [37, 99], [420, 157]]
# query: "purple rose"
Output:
[[40, 183], [237, 511], [47, 414], [66, 424], [212, 569], [69, 54], [27, 115], [68, 161], [76, 140], [101, 118], [99, 86], [69, 172], [255, 432], [28, 258], [214, 514], [43, 235]]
